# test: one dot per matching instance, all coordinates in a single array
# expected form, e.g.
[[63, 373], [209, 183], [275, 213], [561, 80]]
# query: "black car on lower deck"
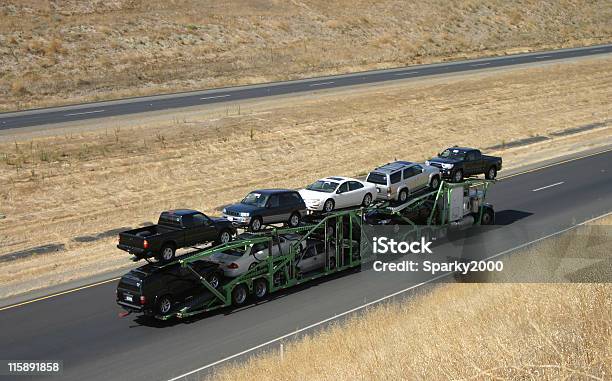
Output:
[[156, 289]]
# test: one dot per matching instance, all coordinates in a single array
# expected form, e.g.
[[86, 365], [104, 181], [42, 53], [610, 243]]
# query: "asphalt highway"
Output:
[[82, 112], [84, 331]]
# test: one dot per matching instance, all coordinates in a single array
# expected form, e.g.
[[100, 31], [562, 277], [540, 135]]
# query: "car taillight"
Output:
[[143, 300], [389, 191], [145, 244], [232, 265]]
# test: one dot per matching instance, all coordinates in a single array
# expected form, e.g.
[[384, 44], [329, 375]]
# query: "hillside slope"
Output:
[[67, 51]]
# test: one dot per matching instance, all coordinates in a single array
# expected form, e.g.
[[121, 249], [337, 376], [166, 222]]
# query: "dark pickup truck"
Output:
[[456, 163], [176, 229]]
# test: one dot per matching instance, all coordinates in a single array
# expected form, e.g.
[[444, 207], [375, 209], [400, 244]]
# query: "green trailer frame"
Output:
[[334, 229]]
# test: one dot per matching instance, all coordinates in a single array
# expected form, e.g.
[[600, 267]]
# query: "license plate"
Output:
[[129, 298]]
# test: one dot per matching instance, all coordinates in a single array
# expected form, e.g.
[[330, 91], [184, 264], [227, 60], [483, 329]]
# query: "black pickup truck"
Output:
[[455, 163], [176, 229]]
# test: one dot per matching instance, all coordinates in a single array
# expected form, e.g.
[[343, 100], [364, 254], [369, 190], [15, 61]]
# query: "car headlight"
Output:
[[244, 214], [427, 162], [447, 166], [315, 202], [224, 211], [384, 222]]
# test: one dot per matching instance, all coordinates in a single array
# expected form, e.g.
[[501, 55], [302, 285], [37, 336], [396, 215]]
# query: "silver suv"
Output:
[[397, 180]]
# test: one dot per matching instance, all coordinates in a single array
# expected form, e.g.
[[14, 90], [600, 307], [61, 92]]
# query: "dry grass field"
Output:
[[476, 331], [73, 188], [66, 51]]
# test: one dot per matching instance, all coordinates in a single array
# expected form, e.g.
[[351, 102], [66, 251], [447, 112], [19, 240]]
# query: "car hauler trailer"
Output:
[[327, 244]]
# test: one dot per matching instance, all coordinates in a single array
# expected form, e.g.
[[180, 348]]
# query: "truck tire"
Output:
[[260, 288], [491, 173], [329, 205], [224, 237], [487, 217], [458, 176], [255, 224], [402, 196], [166, 253], [239, 295], [435, 182], [164, 305]]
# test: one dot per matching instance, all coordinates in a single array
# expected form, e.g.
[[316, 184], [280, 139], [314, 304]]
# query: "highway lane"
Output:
[[82, 112], [83, 330]]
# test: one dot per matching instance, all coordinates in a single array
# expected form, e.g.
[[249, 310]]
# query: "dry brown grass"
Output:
[[75, 50], [465, 331], [83, 182], [460, 332]]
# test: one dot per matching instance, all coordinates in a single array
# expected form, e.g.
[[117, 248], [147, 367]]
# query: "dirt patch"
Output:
[[59, 52]]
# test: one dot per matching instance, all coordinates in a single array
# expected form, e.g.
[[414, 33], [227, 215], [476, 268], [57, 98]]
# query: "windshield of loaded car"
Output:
[[453, 154], [256, 199], [377, 178], [323, 186], [238, 252]]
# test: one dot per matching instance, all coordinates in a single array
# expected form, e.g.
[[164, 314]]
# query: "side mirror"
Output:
[[338, 191]]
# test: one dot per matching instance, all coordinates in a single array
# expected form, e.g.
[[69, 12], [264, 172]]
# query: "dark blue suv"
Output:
[[267, 206]]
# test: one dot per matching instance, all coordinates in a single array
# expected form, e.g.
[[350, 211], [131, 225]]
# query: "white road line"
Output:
[[542, 57], [408, 73], [321, 84], [216, 96], [86, 112], [379, 300], [481, 64], [597, 50], [548, 186]]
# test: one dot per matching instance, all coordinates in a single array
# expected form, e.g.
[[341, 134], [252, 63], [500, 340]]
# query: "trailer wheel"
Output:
[[166, 253], [239, 295], [164, 305], [255, 224], [458, 176], [260, 287], [491, 173], [332, 263], [294, 220], [328, 206]]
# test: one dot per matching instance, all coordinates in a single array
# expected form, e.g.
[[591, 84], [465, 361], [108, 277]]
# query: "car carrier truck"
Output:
[[326, 244]]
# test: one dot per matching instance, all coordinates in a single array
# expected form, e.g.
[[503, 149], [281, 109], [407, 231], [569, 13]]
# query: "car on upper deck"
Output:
[[175, 229], [267, 206], [397, 180], [337, 192], [457, 163]]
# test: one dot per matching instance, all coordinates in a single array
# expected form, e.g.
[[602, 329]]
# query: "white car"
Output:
[[237, 261], [336, 193]]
